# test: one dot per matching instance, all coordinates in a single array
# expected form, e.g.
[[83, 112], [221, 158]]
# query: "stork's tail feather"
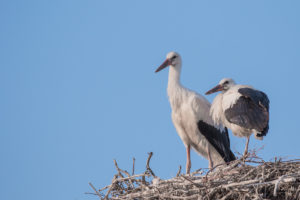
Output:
[[219, 140], [260, 135], [231, 157], [265, 131]]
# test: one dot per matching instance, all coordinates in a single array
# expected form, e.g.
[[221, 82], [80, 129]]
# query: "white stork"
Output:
[[240, 108], [190, 116]]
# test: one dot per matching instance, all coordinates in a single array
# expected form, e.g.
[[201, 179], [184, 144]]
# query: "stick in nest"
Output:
[[147, 165]]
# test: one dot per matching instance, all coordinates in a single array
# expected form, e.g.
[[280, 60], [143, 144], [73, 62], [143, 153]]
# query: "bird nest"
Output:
[[248, 178]]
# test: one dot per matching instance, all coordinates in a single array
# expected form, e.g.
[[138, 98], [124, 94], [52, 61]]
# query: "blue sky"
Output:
[[79, 89]]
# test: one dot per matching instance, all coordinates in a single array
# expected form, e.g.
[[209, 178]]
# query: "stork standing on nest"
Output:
[[190, 116], [242, 109]]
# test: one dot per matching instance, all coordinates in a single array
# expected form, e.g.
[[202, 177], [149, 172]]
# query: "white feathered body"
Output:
[[188, 108]]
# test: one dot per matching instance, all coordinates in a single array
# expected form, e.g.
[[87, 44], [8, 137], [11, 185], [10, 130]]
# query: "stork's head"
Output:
[[173, 60], [224, 85]]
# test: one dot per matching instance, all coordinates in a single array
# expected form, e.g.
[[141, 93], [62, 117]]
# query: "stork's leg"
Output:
[[210, 163], [188, 159], [246, 148]]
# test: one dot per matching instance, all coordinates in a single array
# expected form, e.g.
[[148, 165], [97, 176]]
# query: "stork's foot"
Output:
[[246, 154]]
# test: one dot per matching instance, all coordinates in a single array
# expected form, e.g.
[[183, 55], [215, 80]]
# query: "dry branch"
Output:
[[133, 163]]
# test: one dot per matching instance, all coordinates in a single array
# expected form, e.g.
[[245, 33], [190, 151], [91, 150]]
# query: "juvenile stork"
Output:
[[190, 116], [242, 109]]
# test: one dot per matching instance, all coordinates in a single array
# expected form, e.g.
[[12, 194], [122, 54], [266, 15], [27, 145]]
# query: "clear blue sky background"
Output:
[[78, 87]]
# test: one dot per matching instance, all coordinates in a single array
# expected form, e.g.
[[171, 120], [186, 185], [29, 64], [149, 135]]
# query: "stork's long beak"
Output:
[[165, 64], [215, 89]]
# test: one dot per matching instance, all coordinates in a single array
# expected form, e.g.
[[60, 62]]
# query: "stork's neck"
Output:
[[174, 79], [175, 89]]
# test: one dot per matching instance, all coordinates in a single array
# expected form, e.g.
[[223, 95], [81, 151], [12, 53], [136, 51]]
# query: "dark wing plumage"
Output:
[[250, 111], [259, 97], [219, 140]]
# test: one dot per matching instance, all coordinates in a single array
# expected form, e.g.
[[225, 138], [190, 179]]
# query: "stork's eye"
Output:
[[174, 57], [226, 82]]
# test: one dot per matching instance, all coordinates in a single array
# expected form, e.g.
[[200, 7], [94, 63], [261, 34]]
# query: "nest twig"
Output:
[[250, 178]]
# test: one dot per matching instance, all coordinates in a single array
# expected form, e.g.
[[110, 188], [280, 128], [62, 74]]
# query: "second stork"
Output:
[[242, 109]]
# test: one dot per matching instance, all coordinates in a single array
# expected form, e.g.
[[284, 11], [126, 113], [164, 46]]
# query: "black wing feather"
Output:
[[219, 140], [250, 111], [259, 97]]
